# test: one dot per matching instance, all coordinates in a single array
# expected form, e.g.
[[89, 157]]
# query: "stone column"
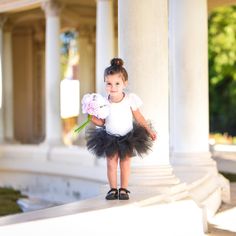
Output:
[[86, 70], [8, 87], [2, 21], [143, 44], [52, 85], [104, 40], [86, 61], [189, 126]]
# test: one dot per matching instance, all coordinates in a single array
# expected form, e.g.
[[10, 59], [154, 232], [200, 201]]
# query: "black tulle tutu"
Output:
[[102, 144]]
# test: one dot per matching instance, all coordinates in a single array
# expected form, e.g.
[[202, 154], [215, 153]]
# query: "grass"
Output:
[[8, 198], [218, 138]]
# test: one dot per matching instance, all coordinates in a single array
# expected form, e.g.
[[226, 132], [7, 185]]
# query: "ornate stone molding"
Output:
[[103, 0], [13, 5]]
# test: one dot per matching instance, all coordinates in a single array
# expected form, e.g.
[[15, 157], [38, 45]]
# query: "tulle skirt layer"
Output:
[[102, 144]]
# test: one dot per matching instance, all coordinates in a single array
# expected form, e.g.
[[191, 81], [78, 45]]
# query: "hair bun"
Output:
[[117, 62]]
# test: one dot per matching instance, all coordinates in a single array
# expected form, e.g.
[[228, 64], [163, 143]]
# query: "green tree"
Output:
[[222, 70], [66, 38]]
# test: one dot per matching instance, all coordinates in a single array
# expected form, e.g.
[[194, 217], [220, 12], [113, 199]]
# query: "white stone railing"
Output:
[[225, 156], [58, 174]]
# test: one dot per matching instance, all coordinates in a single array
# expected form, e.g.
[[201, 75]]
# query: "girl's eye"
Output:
[[117, 83], [108, 84]]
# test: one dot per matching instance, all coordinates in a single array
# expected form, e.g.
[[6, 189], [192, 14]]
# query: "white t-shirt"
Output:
[[120, 119]]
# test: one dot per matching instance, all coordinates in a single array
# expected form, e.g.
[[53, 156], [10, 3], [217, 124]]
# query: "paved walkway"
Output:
[[224, 222]]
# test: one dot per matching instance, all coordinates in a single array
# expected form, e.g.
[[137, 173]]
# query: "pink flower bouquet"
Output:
[[94, 105]]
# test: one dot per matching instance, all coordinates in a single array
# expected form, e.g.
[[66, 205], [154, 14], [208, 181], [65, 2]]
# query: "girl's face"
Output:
[[115, 85]]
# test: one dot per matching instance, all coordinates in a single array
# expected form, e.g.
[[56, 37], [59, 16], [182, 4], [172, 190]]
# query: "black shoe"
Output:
[[112, 194], [123, 196]]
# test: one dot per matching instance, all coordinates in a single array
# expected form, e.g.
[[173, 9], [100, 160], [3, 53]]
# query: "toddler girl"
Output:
[[119, 137]]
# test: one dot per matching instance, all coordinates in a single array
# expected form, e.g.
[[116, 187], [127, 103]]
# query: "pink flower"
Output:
[[94, 105]]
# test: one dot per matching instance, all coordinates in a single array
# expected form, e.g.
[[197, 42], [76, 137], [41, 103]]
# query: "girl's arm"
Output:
[[141, 120], [97, 121]]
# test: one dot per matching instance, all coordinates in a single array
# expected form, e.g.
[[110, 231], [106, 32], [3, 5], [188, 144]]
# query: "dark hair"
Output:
[[116, 67]]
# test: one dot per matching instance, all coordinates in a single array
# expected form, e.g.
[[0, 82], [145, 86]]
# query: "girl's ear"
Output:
[[126, 83]]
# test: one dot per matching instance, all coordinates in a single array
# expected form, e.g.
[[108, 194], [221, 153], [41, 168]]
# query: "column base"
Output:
[[153, 175], [200, 159], [52, 142], [157, 181]]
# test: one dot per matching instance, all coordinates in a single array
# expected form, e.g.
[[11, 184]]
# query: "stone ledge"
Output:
[[145, 216], [73, 154], [93, 173]]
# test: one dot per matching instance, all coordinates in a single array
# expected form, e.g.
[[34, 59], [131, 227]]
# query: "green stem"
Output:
[[84, 124]]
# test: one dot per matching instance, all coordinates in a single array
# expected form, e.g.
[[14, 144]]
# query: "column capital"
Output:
[[51, 8], [39, 35], [8, 26], [3, 19]]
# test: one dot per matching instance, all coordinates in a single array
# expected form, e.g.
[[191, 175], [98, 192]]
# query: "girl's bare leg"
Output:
[[125, 172], [112, 163]]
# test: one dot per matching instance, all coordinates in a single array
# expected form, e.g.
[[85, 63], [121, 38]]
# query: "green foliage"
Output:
[[222, 70], [8, 198], [66, 39], [231, 177]]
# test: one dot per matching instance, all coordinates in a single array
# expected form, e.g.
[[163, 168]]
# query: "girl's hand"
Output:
[[141, 120], [97, 121], [153, 135]]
